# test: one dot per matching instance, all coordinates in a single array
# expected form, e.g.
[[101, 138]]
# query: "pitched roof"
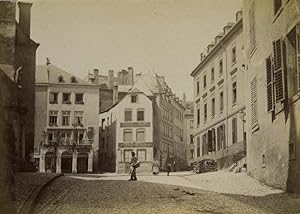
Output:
[[50, 74]]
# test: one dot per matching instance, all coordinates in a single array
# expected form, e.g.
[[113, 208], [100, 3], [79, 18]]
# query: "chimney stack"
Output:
[[130, 76], [48, 62], [110, 79], [115, 94], [24, 17], [96, 76], [239, 15]]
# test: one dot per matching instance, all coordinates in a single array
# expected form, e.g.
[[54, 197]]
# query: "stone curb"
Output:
[[29, 204]]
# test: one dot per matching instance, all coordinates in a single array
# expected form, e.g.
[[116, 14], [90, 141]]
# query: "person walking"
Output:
[[168, 168], [155, 167], [134, 163]]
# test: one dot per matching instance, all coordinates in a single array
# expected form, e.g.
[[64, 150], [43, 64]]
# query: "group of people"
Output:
[[134, 164]]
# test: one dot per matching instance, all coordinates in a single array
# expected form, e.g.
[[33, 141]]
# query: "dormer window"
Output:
[[73, 79], [61, 79], [133, 98]]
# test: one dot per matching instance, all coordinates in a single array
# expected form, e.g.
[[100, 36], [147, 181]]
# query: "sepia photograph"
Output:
[[149, 106]]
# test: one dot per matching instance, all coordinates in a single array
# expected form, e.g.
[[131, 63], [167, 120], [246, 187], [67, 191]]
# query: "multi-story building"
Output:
[[188, 133], [124, 128], [272, 33], [165, 105], [66, 128], [219, 101], [17, 60]]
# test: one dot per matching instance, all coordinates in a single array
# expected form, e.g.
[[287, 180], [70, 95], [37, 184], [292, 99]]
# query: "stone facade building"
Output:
[[272, 47], [124, 128], [66, 128], [188, 133], [219, 101]]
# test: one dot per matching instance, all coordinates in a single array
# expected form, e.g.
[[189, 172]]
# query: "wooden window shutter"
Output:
[[209, 141], [254, 116], [213, 139], [278, 70], [203, 145], [298, 54], [270, 86], [224, 136]]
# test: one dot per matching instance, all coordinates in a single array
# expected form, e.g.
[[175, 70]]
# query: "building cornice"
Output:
[[218, 46]]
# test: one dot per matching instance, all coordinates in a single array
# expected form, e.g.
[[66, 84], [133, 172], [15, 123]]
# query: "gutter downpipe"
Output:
[[226, 111]]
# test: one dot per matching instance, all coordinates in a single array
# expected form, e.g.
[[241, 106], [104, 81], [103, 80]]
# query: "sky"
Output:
[[164, 36]]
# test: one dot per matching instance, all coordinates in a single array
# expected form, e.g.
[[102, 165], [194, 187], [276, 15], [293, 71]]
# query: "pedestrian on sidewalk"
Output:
[[155, 167], [168, 168], [134, 163]]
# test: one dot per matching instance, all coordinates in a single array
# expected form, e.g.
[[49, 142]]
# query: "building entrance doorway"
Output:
[[50, 162], [82, 162], [66, 162]]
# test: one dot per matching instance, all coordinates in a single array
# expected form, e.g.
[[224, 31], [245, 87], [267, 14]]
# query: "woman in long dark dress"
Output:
[[133, 165]]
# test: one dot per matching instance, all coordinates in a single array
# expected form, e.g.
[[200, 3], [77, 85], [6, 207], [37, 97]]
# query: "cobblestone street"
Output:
[[70, 195]]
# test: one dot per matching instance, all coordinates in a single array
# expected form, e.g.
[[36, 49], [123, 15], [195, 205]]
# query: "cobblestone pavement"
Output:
[[26, 183], [70, 195]]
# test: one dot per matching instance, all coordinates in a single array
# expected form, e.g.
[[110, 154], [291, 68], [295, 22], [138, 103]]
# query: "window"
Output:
[[198, 146], [50, 136], [140, 115], [53, 98], [66, 118], [191, 124], [80, 135], [213, 107], [254, 117], [53, 118], [221, 101], [221, 66], [278, 70], [79, 99], [61, 79], [252, 26], [140, 135], [127, 155], [133, 98], [102, 123], [234, 93], [204, 81], [191, 139], [78, 117], [212, 74], [66, 98], [73, 79], [234, 130], [127, 137], [128, 115], [198, 117], [141, 154], [192, 153], [277, 5], [198, 87], [204, 145], [205, 112], [233, 55]]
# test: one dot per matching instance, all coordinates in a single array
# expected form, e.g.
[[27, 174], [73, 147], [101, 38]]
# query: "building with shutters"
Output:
[[66, 127], [219, 101], [272, 49]]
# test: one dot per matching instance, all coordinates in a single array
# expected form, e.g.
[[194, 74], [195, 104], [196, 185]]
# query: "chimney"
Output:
[[184, 100], [238, 15], [115, 94], [24, 17], [48, 62], [130, 76], [96, 76], [110, 79]]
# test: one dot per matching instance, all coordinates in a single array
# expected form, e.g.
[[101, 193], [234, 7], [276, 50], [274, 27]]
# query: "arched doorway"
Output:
[[50, 162], [82, 162], [66, 162]]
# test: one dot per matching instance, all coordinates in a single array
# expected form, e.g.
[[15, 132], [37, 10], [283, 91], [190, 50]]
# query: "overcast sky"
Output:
[[166, 36]]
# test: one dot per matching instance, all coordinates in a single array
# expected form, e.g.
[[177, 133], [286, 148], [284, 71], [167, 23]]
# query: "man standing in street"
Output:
[[168, 168], [133, 165]]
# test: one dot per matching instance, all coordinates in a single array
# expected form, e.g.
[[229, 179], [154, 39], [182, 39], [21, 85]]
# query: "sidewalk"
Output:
[[27, 183], [220, 181]]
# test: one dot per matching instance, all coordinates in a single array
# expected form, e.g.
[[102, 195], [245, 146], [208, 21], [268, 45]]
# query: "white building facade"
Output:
[[66, 129]]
